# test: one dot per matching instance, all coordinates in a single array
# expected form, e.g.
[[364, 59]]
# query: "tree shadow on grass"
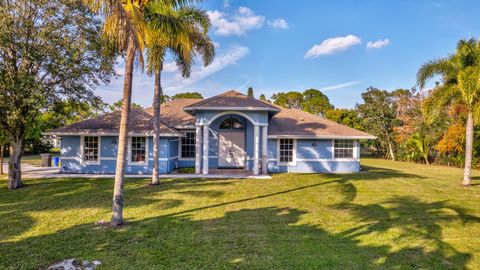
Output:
[[262, 238], [78, 193]]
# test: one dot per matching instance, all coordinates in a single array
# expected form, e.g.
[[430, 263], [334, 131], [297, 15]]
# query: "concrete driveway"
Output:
[[32, 172]]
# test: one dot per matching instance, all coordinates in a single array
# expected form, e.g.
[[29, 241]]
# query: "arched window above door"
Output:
[[231, 123]]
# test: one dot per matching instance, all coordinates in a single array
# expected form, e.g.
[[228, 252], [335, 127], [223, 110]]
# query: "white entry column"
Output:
[[256, 148], [206, 137], [264, 149], [198, 149]]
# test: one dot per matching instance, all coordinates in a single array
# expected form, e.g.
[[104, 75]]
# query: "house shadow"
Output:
[[261, 238]]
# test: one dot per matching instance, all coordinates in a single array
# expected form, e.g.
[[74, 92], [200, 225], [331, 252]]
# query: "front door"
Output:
[[231, 152]]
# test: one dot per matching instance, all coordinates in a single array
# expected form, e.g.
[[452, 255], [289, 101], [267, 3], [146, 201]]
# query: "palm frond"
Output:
[[443, 67], [438, 100]]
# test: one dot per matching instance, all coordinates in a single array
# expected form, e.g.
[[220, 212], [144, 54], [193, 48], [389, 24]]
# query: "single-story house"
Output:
[[230, 130]]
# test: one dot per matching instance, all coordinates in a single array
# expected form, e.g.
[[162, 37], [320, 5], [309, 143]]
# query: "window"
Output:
[[286, 150], [231, 123], [188, 145], [138, 150], [343, 149], [90, 149]]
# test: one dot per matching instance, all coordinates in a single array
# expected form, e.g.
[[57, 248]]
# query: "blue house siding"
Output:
[[312, 156], [72, 157]]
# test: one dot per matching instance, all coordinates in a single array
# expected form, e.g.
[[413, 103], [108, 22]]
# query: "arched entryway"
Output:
[[231, 143]]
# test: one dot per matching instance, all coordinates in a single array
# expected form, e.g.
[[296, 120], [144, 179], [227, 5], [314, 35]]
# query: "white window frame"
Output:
[[294, 154], [180, 157], [82, 150], [129, 158], [354, 152]]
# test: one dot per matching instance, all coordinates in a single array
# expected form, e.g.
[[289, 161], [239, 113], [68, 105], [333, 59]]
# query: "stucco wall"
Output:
[[72, 158], [313, 155]]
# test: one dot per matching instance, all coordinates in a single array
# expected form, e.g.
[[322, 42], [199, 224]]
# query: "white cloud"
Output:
[[378, 44], [226, 3], [238, 24], [200, 72], [279, 23], [333, 45], [339, 86], [170, 67]]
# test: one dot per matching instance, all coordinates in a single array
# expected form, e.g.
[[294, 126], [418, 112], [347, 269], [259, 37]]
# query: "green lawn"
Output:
[[392, 215]]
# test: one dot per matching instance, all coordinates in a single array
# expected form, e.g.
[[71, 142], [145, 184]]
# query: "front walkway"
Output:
[[34, 172]]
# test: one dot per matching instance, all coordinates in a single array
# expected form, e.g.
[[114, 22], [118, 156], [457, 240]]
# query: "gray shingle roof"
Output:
[[172, 113], [297, 123], [109, 123], [286, 122], [231, 100]]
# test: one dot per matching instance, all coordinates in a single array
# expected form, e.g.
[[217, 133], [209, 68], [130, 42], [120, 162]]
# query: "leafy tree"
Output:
[[379, 117], [117, 106], [311, 100], [187, 40], [460, 84], [347, 117], [315, 102], [452, 142], [194, 95], [165, 99], [263, 98], [49, 50], [250, 92], [291, 100]]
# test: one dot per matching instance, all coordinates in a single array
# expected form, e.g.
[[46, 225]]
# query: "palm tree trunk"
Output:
[[1, 158], [468, 150], [117, 208], [14, 164], [157, 97]]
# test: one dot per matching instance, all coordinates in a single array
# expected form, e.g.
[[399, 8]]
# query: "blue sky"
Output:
[[339, 47]]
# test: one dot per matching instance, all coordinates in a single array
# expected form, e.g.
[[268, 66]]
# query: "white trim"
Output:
[[203, 108], [164, 159], [234, 112], [256, 149], [198, 149], [180, 146], [264, 150], [206, 141], [133, 134], [325, 159], [354, 157], [82, 150], [129, 154], [294, 157], [185, 127], [108, 158], [338, 137]]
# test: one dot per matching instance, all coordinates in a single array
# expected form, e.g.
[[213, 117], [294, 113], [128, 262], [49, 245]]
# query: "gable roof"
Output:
[[231, 100], [141, 122], [300, 124], [291, 123], [172, 113]]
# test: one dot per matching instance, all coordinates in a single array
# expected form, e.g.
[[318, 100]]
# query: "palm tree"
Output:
[[460, 74], [189, 40], [125, 28]]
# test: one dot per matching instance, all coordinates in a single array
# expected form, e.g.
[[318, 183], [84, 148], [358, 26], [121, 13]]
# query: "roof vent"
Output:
[[302, 119]]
